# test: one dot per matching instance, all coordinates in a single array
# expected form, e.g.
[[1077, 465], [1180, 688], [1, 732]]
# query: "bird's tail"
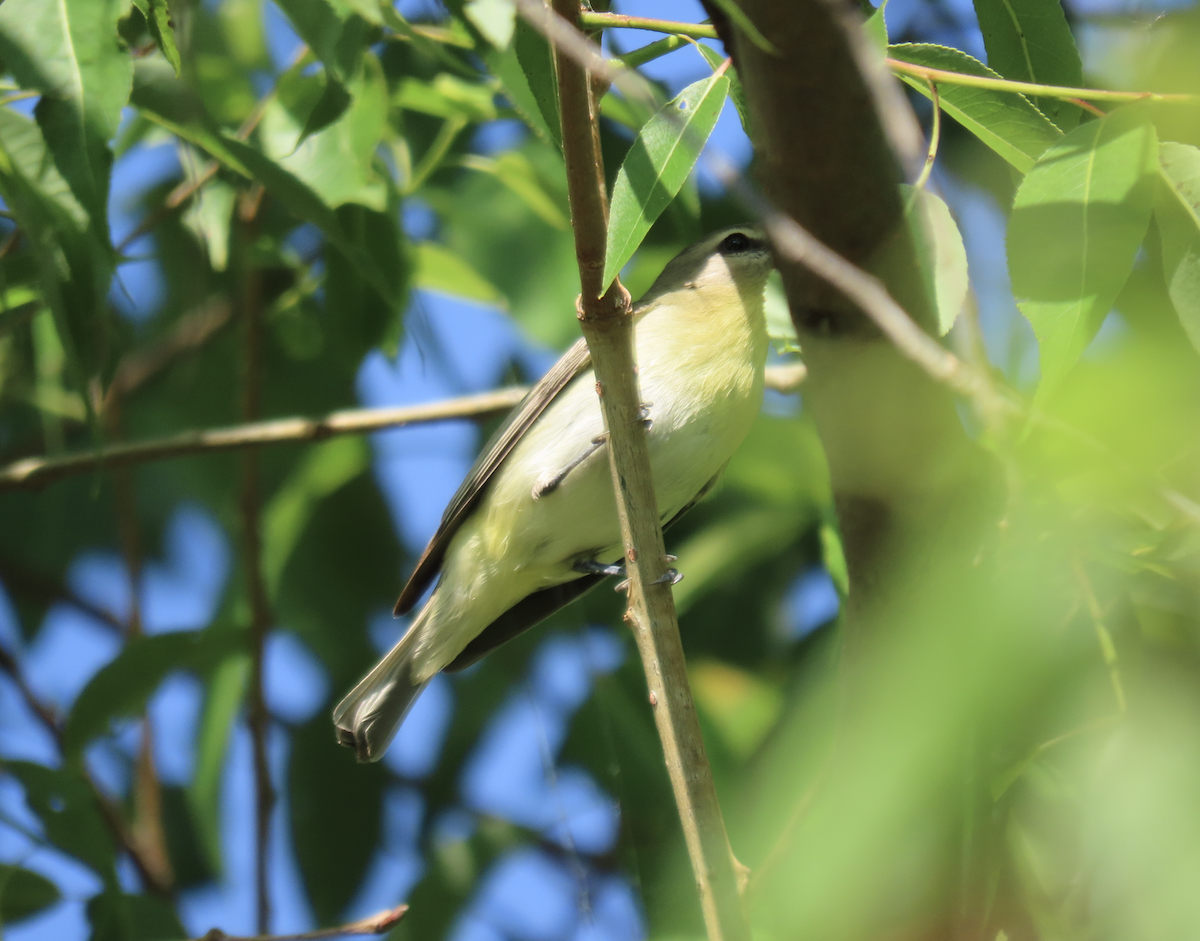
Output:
[[368, 717]]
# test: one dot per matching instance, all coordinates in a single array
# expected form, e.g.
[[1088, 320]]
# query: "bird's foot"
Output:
[[592, 567], [644, 415], [669, 577]]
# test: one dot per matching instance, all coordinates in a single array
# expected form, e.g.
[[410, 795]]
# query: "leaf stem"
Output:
[[589, 20], [935, 136], [1030, 88], [653, 51], [375, 924]]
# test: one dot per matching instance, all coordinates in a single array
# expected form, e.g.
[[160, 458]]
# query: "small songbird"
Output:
[[534, 525]]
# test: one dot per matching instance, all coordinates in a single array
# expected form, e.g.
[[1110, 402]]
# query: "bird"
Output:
[[534, 524]]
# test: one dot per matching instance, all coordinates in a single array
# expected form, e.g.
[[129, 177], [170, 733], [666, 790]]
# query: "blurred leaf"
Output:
[[158, 15], [337, 162], [67, 808], [495, 19], [1177, 211], [332, 104], [323, 469], [1031, 41], [1007, 123], [120, 689], [780, 327], [526, 70], [439, 269], [743, 22], [336, 812], [1077, 222], [335, 33], [514, 170], [190, 864], [209, 216], [742, 706], [657, 164], [70, 52], [225, 691], [116, 916], [171, 104], [940, 251], [74, 269], [23, 893], [447, 96]]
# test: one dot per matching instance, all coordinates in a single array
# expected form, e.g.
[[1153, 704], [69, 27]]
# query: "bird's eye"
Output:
[[736, 243]]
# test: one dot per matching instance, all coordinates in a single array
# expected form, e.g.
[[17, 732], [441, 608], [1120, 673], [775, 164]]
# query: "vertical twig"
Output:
[[146, 829], [260, 613], [608, 326]]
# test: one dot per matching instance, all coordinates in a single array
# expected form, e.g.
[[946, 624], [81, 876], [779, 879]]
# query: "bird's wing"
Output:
[[572, 363]]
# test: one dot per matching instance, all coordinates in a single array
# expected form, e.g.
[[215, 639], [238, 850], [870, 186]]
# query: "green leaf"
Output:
[[303, 201], [439, 269], [70, 818], [495, 20], [1077, 222], [209, 217], [657, 164], [514, 170], [323, 470], [1009, 124], [70, 52], [940, 251], [226, 690], [737, 93], [876, 28], [116, 916], [122, 687], [23, 893], [163, 31], [526, 71], [172, 105], [336, 35], [743, 22], [336, 811], [447, 96], [1030, 41], [1177, 212], [73, 267]]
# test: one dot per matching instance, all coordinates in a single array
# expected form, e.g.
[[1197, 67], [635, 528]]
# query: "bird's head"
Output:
[[736, 258]]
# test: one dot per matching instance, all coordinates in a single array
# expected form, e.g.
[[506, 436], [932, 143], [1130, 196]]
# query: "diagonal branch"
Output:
[[608, 327]]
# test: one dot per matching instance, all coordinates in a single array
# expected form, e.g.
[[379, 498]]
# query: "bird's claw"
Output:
[[670, 577], [592, 567]]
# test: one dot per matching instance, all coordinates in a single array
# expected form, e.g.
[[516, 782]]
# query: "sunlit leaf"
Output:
[[1007, 123], [1177, 211], [1077, 222], [514, 170], [737, 92], [876, 27], [158, 15], [941, 253], [495, 19], [657, 164], [1031, 41], [23, 893], [225, 692], [526, 70], [447, 96], [439, 269]]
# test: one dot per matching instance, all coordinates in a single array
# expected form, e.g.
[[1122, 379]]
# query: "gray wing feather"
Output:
[[571, 364]]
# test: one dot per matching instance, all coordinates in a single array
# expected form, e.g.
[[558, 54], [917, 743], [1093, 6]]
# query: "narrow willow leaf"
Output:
[[1009, 124], [121, 688], [158, 15], [117, 916], [1030, 41], [1177, 212], [447, 96], [225, 692], [514, 170], [69, 51], [70, 818], [527, 73], [325, 469], [1077, 222], [23, 893], [941, 253], [657, 164], [439, 269], [335, 33], [737, 92]]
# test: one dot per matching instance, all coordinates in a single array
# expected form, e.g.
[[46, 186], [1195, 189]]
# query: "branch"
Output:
[[375, 924], [35, 472], [256, 588], [706, 31], [608, 326]]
